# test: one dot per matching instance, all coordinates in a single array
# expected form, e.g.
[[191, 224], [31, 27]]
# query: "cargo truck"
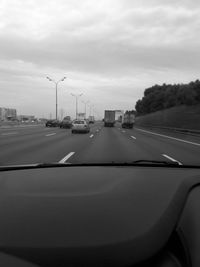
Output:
[[109, 118], [128, 121], [91, 119]]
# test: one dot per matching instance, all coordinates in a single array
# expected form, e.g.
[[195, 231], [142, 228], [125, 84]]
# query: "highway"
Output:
[[39, 144]]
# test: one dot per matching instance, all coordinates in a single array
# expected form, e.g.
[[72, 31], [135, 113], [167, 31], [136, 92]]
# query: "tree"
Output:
[[159, 97]]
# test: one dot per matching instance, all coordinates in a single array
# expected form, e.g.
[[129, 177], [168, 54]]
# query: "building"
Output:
[[8, 114]]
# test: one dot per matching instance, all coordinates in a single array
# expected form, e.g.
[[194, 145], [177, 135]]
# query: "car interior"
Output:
[[100, 216]]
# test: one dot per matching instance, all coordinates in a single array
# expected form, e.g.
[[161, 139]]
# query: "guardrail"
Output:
[[15, 124], [182, 130]]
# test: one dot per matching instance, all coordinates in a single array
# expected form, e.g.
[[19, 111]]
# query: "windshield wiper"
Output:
[[163, 162], [53, 164], [139, 163], [33, 166]]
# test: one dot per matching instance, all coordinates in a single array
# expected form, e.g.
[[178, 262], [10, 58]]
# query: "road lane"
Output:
[[112, 145], [170, 137], [186, 153], [38, 147], [102, 144]]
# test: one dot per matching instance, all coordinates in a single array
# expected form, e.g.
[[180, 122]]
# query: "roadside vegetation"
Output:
[[161, 97]]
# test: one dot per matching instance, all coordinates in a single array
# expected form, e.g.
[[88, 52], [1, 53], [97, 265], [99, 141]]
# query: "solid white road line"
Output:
[[133, 137], [66, 157], [170, 137], [50, 134], [170, 158], [9, 133], [91, 135]]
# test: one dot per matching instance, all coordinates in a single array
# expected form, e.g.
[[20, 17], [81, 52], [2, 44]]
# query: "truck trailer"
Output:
[[109, 118], [91, 119], [128, 121]]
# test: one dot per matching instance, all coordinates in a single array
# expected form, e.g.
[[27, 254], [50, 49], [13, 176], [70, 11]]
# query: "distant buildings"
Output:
[[7, 114], [10, 114]]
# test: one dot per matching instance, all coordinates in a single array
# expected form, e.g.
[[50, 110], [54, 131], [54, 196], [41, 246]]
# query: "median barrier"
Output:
[[17, 124]]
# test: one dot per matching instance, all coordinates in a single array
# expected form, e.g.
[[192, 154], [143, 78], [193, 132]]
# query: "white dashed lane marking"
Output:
[[12, 133], [50, 134], [170, 158], [66, 157], [91, 135], [133, 137]]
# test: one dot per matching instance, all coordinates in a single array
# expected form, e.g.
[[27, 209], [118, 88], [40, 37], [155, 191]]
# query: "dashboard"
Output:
[[100, 216]]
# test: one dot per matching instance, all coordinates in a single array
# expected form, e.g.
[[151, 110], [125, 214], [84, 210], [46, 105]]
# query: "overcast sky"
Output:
[[109, 50]]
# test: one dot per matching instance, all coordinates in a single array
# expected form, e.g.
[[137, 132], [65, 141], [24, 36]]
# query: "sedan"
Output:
[[80, 126], [66, 124], [52, 123]]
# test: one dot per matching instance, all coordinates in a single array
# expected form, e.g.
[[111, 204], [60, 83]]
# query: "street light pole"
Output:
[[77, 96], [56, 83], [56, 100], [85, 102], [91, 106]]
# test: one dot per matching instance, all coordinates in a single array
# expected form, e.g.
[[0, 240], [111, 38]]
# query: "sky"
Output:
[[110, 51]]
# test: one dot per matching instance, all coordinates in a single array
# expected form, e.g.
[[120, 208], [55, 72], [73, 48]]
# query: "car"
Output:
[[80, 126], [52, 123], [66, 123]]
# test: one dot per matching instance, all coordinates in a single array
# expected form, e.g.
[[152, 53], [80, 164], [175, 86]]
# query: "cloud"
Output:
[[104, 46]]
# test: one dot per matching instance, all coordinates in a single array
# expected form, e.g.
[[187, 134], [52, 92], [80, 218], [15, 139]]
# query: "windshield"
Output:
[[129, 70]]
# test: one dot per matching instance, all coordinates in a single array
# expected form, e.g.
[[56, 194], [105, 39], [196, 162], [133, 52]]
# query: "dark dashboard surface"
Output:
[[91, 214]]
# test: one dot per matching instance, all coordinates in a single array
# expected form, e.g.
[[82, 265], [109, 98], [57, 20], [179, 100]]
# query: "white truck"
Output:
[[128, 120], [109, 118]]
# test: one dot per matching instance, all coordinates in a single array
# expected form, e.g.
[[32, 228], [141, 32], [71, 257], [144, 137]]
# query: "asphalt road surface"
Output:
[[38, 144]]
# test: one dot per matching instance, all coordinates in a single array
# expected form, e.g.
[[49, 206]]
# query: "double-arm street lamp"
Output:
[[56, 83], [77, 96]]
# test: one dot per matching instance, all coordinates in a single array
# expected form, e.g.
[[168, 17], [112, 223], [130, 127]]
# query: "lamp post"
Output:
[[85, 102], [77, 96], [56, 83], [91, 106]]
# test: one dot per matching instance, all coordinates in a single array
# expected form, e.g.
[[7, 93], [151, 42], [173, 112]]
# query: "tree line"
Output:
[[129, 112], [159, 97]]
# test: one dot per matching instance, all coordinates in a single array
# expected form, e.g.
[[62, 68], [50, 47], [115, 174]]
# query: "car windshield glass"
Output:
[[99, 81]]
